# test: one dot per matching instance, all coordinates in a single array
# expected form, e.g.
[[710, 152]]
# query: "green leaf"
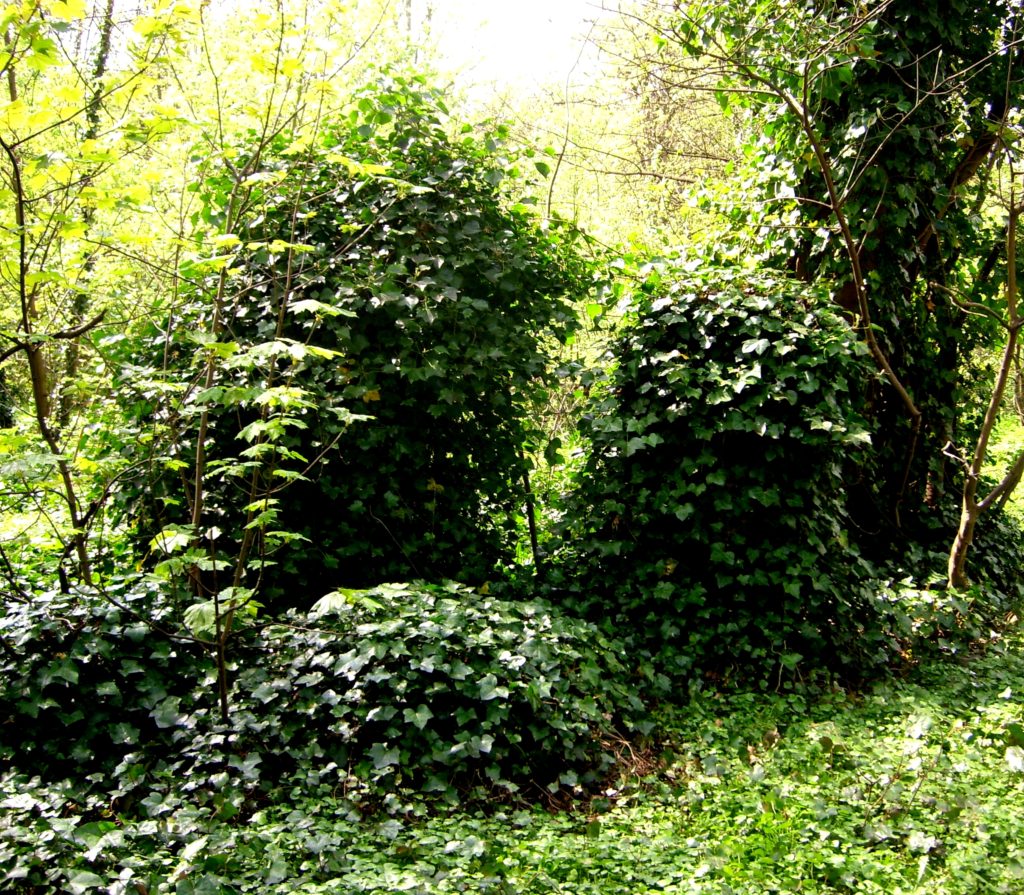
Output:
[[167, 713], [124, 734], [312, 306], [418, 718], [173, 539], [90, 834], [342, 600], [61, 669], [83, 881], [201, 619], [489, 689], [383, 756]]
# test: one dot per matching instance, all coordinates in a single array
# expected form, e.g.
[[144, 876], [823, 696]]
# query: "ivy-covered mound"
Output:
[[86, 684], [439, 295], [709, 520], [374, 695], [436, 688]]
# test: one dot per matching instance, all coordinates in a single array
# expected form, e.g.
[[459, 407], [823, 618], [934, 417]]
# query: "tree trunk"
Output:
[[971, 508]]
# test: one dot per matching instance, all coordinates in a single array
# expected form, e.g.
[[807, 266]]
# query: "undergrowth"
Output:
[[911, 785]]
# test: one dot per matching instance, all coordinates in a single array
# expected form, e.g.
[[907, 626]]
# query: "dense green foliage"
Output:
[[741, 657], [438, 689], [872, 133], [386, 273], [89, 674], [710, 519], [375, 694], [909, 786], [711, 523]]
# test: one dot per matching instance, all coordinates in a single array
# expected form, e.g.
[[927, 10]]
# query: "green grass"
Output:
[[908, 786]]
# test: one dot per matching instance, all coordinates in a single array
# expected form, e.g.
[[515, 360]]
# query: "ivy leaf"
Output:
[[419, 717], [124, 734], [167, 713], [489, 689], [192, 850], [83, 881], [383, 756], [634, 445]]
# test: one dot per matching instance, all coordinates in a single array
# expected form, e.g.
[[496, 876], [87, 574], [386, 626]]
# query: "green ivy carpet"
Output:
[[908, 786]]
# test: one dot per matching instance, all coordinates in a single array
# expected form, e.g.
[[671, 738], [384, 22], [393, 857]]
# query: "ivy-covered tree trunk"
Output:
[[416, 300], [919, 130], [871, 132]]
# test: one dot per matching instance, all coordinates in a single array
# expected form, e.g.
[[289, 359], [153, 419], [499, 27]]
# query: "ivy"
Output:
[[710, 520], [878, 187], [379, 694], [434, 688], [410, 313]]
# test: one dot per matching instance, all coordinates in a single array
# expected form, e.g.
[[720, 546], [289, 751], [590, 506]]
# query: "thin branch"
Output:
[[568, 124]]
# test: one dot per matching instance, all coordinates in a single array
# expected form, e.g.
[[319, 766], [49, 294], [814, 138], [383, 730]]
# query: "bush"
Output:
[[421, 298], [84, 682], [436, 688], [709, 521], [398, 689]]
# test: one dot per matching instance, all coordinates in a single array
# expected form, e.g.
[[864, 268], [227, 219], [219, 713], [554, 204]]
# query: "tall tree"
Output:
[[54, 182]]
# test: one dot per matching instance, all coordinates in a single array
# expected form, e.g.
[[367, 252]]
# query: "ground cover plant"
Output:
[[372, 695], [909, 785]]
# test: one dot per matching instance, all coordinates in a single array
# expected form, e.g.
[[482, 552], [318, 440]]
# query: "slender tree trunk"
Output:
[[33, 349], [39, 374], [531, 520], [971, 508]]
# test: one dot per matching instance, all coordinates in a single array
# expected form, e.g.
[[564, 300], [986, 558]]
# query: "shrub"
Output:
[[421, 297], [85, 682], [436, 688], [709, 521], [398, 689]]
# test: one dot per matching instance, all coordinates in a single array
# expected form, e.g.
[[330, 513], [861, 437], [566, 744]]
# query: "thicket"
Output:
[[371, 695], [913, 782], [397, 307], [335, 391], [738, 506], [710, 522], [709, 518], [893, 183]]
